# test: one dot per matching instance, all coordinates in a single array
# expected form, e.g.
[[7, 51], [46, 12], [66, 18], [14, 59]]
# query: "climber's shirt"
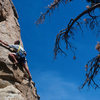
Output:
[[19, 50]]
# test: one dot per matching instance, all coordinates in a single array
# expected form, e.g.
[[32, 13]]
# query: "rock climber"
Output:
[[18, 55]]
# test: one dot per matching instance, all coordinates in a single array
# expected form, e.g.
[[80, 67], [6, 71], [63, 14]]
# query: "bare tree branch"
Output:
[[92, 70], [52, 6], [65, 33]]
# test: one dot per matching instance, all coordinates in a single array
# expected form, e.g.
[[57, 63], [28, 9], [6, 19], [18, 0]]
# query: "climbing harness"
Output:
[[19, 49]]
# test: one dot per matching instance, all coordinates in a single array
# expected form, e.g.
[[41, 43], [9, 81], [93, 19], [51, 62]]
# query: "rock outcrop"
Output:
[[14, 85]]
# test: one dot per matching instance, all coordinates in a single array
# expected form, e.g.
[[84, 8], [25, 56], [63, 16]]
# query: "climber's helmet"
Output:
[[17, 42]]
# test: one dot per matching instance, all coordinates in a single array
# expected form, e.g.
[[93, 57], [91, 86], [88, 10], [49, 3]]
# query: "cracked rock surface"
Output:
[[14, 84]]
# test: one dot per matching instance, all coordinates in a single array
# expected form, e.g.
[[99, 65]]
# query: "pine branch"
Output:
[[51, 7], [65, 33]]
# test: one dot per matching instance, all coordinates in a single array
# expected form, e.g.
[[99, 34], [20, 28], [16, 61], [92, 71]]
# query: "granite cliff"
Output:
[[14, 85]]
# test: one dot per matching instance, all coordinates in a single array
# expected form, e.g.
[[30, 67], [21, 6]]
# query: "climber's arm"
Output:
[[4, 43], [11, 46]]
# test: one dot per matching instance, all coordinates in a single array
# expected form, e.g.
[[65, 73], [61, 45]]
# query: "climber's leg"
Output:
[[27, 70], [13, 58]]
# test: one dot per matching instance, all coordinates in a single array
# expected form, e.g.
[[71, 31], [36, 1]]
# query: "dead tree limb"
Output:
[[51, 7], [92, 70], [64, 34]]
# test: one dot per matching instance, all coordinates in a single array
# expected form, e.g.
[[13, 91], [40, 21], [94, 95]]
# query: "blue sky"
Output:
[[56, 79]]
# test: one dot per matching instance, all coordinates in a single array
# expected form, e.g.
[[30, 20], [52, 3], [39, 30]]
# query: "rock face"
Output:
[[14, 85]]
